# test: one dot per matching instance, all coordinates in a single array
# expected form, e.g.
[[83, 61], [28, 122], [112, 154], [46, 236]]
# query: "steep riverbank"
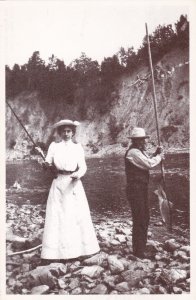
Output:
[[130, 105]]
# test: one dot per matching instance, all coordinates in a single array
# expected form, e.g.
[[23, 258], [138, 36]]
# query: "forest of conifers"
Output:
[[55, 81]]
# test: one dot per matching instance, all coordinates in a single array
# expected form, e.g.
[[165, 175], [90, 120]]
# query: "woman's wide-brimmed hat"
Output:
[[138, 133], [66, 122]]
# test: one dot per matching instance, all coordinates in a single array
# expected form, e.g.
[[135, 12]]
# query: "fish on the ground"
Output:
[[165, 206]]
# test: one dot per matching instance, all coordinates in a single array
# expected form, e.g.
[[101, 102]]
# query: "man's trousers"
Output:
[[137, 195]]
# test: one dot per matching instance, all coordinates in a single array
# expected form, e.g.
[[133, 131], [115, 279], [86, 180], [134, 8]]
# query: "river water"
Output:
[[104, 184]]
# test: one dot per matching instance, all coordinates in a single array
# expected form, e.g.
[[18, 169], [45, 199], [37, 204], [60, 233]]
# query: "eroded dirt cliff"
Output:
[[132, 105]]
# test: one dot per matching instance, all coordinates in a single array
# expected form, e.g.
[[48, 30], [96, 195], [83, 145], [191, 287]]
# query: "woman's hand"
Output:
[[75, 175], [40, 151]]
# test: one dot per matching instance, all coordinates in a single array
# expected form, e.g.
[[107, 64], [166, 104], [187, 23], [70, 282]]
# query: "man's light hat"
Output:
[[138, 132], [66, 122]]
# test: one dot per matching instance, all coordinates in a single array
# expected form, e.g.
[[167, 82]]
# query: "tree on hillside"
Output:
[[52, 65], [63, 81], [162, 41], [123, 55], [111, 68], [49, 87], [182, 31], [35, 69], [127, 58], [16, 80], [85, 67]]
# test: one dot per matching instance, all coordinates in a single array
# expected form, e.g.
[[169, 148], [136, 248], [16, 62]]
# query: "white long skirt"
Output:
[[68, 230]]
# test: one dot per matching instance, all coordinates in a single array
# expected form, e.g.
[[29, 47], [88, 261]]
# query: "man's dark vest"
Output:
[[135, 174]]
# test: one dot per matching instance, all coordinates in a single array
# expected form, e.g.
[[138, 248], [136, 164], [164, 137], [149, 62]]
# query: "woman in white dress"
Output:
[[68, 230]]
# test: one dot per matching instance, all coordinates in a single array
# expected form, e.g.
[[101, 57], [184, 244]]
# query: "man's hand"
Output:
[[159, 150]]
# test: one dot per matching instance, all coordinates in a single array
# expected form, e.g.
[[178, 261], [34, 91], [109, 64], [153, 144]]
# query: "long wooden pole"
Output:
[[156, 117], [154, 100]]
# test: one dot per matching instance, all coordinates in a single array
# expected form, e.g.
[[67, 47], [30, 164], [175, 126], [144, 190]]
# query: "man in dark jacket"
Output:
[[137, 166]]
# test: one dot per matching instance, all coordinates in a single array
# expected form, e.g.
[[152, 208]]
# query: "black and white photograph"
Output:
[[96, 109]]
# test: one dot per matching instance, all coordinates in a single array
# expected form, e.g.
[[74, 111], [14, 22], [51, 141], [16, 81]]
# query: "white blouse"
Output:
[[67, 156], [141, 161]]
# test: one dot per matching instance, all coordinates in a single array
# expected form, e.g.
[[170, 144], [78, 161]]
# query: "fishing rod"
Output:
[[156, 116], [40, 152]]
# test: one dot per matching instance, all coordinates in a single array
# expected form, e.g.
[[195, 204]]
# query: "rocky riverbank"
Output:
[[114, 270]]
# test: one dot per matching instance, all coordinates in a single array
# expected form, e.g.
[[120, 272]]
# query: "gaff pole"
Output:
[[156, 116]]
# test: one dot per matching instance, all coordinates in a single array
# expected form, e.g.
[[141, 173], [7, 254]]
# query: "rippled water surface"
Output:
[[104, 184]]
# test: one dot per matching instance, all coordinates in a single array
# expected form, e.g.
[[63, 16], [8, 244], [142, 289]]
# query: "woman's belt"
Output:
[[64, 172]]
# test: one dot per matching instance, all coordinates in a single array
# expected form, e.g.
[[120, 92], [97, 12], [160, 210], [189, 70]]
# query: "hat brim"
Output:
[[65, 123], [139, 137]]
